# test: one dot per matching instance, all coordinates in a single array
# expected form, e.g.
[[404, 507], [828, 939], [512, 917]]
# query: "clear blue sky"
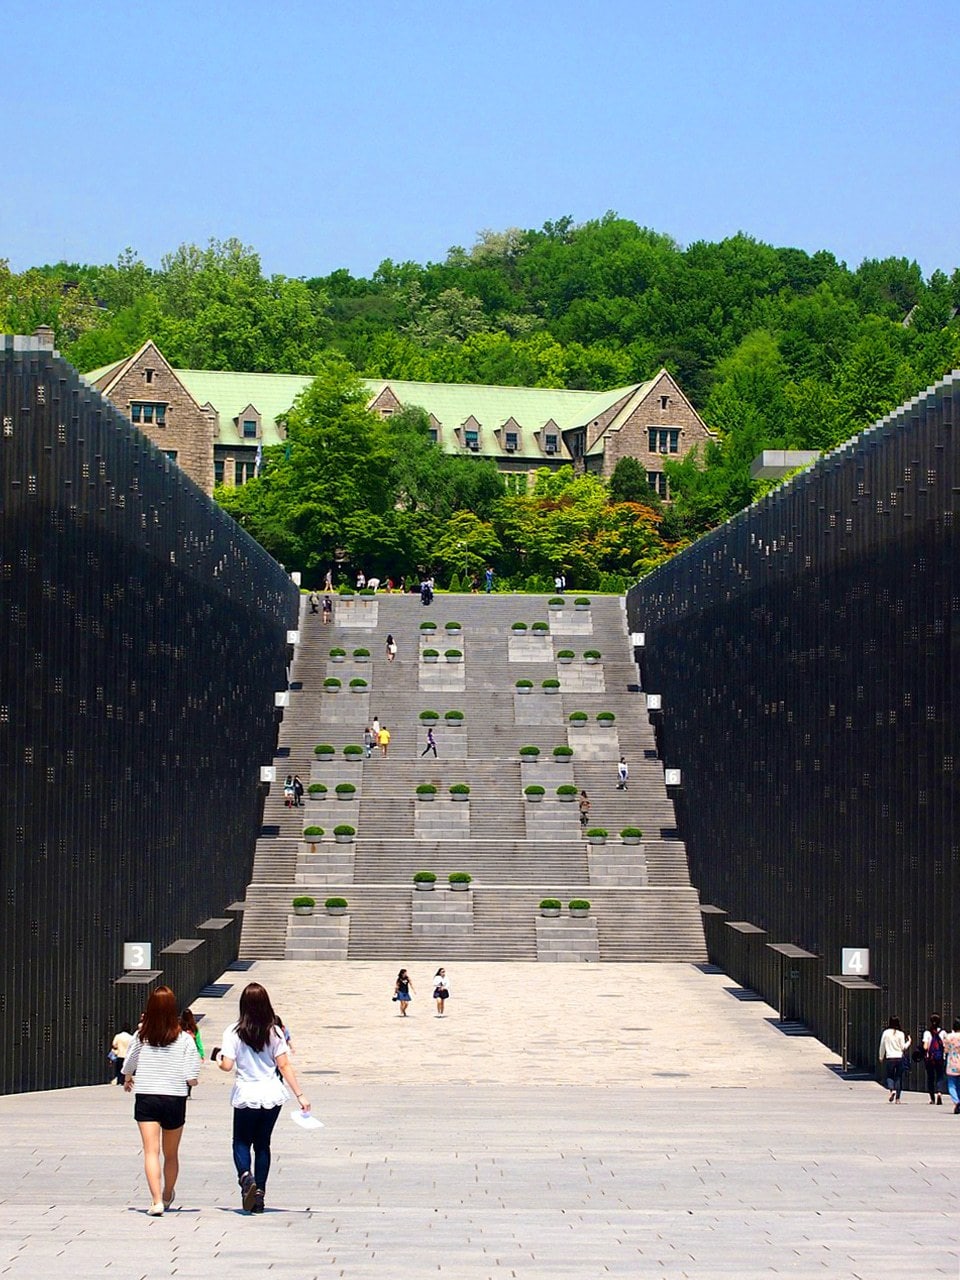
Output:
[[336, 134]]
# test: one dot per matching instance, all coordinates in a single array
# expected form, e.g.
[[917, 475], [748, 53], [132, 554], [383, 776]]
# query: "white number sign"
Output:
[[855, 962], [138, 955]]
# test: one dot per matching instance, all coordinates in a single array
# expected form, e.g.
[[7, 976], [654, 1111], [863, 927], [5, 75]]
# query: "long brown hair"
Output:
[[188, 1022], [161, 1020], [257, 1018]]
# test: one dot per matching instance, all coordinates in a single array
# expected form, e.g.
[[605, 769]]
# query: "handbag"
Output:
[[111, 1056]]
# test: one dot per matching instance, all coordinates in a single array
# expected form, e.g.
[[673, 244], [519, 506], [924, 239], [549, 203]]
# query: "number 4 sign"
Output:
[[855, 962]]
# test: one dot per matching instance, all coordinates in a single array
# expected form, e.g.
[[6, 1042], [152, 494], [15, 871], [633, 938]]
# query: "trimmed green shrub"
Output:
[[361, 653], [519, 626], [428, 626], [305, 901], [591, 653], [345, 591], [534, 790], [316, 789], [565, 653], [582, 600], [453, 715], [453, 626], [530, 751], [459, 877], [353, 750], [550, 904], [431, 653], [552, 683], [568, 789], [335, 902], [459, 789], [453, 653], [332, 682], [338, 653], [424, 877], [578, 904], [312, 833], [606, 717], [455, 584], [345, 789], [429, 715], [577, 717], [556, 600], [631, 833], [367, 591], [599, 832], [541, 626], [324, 749], [357, 683], [524, 684], [344, 829], [426, 789], [562, 753]]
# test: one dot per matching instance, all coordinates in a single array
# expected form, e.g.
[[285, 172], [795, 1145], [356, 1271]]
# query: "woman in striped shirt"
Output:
[[163, 1060]]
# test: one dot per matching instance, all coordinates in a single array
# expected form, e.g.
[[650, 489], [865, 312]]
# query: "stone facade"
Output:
[[148, 391], [663, 424]]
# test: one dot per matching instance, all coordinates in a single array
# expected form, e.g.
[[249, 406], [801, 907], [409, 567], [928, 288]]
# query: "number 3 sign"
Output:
[[137, 955]]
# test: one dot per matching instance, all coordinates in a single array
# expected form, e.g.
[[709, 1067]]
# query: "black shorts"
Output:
[[161, 1108]]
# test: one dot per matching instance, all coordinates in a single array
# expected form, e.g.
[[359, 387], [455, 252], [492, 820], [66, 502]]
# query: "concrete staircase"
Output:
[[517, 851]]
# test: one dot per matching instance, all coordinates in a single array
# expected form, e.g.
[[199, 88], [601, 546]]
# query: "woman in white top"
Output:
[[893, 1045], [441, 989], [255, 1045], [163, 1060]]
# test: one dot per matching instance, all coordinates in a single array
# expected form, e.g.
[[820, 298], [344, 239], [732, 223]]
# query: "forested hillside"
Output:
[[775, 346]]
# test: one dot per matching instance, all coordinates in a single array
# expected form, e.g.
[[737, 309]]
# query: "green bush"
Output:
[[524, 684], [431, 653], [453, 653], [565, 653], [316, 789], [331, 682], [556, 600], [429, 715], [345, 591], [541, 626], [577, 717], [459, 789], [606, 717], [361, 653], [459, 877], [357, 683], [530, 751], [312, 833], [304, 901], [550, 684], [428, 626], [424, 877], [338, 653], [345, 789], [344, 829], [453, 715], [568, 789], [454, 626], [591, 653], [519, 626], [563, 753], [353, 750], [582, 600], [335, 902], [324, 749], [599, 832], [367, 591], [534, 790], [426, 789], [578, 904], [550, 904], [614, 583], [455, 584], [632, 833]]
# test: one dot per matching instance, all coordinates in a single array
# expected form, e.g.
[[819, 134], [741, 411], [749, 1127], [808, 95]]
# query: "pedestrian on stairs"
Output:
[[623, 773], [391, 648], [327, 609], [584, 805], [314, 602], [431, 745], [369, 742], [297, 791], [383, 737]]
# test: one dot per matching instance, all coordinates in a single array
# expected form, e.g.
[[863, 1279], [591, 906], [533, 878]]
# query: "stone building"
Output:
[[215, 423]]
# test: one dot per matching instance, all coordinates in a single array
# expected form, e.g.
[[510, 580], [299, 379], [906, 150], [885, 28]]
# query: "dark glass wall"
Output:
[[807, 654], [142, 637]]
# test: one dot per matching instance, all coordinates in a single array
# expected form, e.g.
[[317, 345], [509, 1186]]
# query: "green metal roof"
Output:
[[451, 404]]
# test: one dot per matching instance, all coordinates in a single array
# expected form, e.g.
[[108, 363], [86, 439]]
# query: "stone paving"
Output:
[[580, 1120]]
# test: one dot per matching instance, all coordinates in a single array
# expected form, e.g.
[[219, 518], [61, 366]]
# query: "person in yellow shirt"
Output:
[[384, 740]]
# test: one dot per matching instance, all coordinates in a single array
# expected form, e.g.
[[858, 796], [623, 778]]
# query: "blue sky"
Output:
[[338, 134]]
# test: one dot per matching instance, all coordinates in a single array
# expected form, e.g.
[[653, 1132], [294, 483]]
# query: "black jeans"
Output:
[[252, 1127], [936, 1078]]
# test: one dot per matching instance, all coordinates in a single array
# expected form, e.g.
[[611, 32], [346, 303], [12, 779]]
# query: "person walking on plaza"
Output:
[[361, 580], [164, 1063], [256, 1046], [391, 648], [327, 609], [383, 737], [488, 579], [189, 1024], [441, 989], [368, 743], [328, 581], [297, 791], [402, 991], [951, 1045], [431, 745], [623, 773], [934, 1059], [314, 602], [119, 1047], [894, 1043]]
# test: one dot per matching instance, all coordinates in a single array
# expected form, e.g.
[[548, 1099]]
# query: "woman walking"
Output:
[[402, 991], [391, 648], [934, 1059], [255, 1045], [119, 1047], [893, 1045], [951, 1043], [164, 1063], [441, 989]]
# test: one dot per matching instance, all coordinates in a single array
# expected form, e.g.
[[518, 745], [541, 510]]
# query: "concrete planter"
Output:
[[591, 662], [359, 688], [459, 888], [551, 691], [361, 657], [524, 689], [550, 913], [431, 658], [533, 799], [581, 608], [596, 839], [342, 839], [555, 608], [579, 913], [340, 657], [425, 798], [424, 888], [303, 911], [455, 659], [336, 911], [459, 798], [631, 839], [565, 662], [346, 795], [566, 799]]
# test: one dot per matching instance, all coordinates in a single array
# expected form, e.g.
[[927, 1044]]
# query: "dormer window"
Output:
[[248, 423], [433, 435], [249, 428], [550, 443], [511, 441], [472, 440]]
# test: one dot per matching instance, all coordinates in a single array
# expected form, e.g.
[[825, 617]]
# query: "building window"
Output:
[[472, 439], [657, 482], [146, 412], [433, 434], [249, 429], [664, 402], [669, 440], [550, 444], [148, 375], [652, 437], [243, 471], [511, 440], [171, 454], [218, 471], [515, 482]]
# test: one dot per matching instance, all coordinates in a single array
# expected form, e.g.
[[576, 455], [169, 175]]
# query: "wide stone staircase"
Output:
[[516, 850]]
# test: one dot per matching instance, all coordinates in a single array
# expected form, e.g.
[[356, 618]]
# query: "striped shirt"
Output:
[[165, 1071]]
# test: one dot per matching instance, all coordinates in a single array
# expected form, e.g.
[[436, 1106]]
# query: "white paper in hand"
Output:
[[305, 1119]]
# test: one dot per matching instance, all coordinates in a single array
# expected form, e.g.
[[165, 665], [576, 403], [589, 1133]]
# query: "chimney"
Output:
[[44, 335]]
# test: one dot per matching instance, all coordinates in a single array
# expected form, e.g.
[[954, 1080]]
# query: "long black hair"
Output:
[[257, 1018]]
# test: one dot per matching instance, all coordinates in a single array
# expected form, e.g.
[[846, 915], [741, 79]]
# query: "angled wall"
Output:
[[808, 655], [142, 636]]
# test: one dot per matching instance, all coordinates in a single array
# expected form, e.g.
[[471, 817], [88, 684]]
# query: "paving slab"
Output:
[[576, 1120]]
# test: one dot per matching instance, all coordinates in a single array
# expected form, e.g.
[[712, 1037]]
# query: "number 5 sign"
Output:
[[137, 955], [855, 962]]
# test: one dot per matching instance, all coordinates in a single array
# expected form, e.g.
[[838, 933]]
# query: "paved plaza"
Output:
[[561, 1120]]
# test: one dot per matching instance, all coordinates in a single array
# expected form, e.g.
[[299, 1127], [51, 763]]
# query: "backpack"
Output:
[[935, 1048]]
